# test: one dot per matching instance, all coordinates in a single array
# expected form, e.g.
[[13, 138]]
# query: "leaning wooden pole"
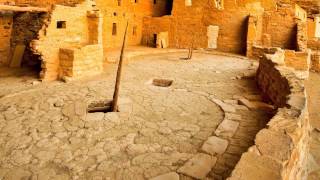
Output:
[[119, 71]]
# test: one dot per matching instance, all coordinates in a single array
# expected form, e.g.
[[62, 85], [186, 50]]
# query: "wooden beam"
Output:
[[22, 9], [119, 72]]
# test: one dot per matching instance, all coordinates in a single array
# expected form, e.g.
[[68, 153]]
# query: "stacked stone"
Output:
[[280, 150]]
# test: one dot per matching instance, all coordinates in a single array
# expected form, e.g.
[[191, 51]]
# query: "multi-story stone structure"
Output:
[[231, 26]]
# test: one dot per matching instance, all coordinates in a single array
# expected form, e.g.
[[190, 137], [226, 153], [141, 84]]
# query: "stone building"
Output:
[[240, 109], [60, 44]]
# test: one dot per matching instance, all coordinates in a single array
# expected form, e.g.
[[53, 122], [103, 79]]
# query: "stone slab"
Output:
[[199, 166], [168, 176], [215, 145], [224, 106], [227, 128], [256, 105], [17, 56], [233, 116]]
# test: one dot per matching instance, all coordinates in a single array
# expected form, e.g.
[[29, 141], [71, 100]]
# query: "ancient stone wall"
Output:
[[280, 150], [315, 61], [25, 29], [298, 60], [6, 21], [189, 24], [81, 62], [281, 27], [155, 25], [68, 28], [116, 14]]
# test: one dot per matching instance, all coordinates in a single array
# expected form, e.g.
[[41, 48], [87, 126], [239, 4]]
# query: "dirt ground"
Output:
[[46, 132]]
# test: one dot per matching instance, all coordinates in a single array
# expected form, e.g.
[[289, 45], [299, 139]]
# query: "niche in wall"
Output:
[[61, 24]]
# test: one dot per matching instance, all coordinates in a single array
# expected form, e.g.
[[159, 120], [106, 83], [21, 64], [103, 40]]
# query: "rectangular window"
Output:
[[119, 2], [114, 29], [61, 24], [154, 1]]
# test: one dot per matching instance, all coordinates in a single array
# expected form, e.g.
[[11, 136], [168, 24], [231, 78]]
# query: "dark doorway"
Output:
[[168, 9], [155, 37], [244, 35]]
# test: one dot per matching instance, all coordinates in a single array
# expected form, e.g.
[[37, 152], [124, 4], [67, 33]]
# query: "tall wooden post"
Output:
[[118, 79]]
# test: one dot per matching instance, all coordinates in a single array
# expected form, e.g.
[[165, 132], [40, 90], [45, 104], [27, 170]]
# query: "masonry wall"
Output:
[[127, 11], [6, 22], [81, 62], [51, 38], [281, 149], [281, 28], [189, 24], [25, 28], [298, 60]]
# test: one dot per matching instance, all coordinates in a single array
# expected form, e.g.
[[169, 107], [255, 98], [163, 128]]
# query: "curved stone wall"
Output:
[[280, 150]]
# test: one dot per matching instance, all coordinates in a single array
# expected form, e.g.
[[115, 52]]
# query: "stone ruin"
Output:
[[71, 40]]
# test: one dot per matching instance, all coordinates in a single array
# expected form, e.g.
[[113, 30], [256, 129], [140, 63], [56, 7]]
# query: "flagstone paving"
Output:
[[46, 132]]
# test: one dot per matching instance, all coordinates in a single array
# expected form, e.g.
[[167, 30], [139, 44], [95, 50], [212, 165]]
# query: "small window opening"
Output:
[[154, 1], [115, 14], [114, 29], [119, 2], [61, 24], [136, 1]]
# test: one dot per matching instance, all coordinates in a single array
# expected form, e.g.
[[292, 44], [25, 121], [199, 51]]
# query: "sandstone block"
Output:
[[199, 166], [168, 176], [227, 128], [274, 143], [215, 145], [256, 105], [225, 107], [252, 167]]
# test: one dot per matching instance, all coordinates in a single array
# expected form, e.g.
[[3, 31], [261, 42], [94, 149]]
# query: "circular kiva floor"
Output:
[[46, 132]]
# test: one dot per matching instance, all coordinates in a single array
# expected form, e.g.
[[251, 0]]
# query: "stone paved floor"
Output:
[[45, 132]]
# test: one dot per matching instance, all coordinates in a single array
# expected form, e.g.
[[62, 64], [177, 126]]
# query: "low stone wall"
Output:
[[299, 60], [315, 61], [80, 62], [280, 150], [259, 51]]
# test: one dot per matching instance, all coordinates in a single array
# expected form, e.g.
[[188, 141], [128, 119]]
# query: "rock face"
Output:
[[312, 6]]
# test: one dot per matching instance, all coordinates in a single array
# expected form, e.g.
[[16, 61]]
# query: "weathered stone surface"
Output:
[[227, 128], [274, 144], [224, 106], [252, 166], [199, 166], [168, 176], [215, 145]]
